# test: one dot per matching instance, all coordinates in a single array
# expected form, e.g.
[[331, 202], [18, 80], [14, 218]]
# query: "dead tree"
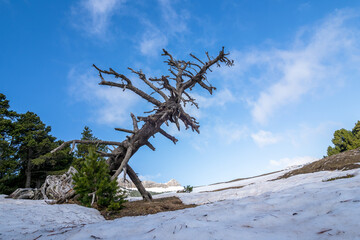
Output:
[[172, 96]]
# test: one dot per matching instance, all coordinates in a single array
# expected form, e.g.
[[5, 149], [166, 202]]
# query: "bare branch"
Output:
[[150, 145], [189, 121], [142, 77], [200, 76], [112, 72], [105, 154], [124, 86], [165, 134], [135, 125], [72, 148], [64, 144], [124, 130], [123, 163], [191, 100], [197, 59]]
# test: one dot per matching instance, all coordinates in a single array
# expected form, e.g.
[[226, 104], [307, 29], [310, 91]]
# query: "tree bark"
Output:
[[28, 172], [135, 179]]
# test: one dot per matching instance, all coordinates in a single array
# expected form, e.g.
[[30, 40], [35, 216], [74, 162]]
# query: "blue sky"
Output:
[[295, 79]]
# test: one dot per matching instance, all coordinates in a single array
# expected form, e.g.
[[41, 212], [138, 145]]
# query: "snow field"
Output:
[[300, 207]]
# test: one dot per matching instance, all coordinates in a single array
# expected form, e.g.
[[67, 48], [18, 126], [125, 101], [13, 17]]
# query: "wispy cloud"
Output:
[[94, 16], [231, 132], [153, 40], [288, 162], [156, 36], [304, 6], [319, 58], [304, 68], [109, 105], [263, 138], [175, 20], [218, 99]]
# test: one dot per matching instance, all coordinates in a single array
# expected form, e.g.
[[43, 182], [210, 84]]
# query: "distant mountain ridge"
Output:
[[149, 184]]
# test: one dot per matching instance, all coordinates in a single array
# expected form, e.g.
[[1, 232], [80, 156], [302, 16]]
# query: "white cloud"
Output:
[[263, 138], [288, 162], [152, 42], [175, 22], [109, 105], [304, 6], [230, 132], [93, 16], [156, 36], [218, 99], [319, 58]]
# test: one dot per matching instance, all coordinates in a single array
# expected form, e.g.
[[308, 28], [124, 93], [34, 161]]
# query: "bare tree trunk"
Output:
[[135, 179], [28, 174]]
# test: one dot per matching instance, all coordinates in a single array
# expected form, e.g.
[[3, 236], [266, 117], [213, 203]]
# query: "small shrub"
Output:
[[94, 185], [188, 189], [115, 206]]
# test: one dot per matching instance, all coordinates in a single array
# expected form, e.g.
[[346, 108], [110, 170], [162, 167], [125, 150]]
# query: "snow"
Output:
[[28, 219], [300, 207]]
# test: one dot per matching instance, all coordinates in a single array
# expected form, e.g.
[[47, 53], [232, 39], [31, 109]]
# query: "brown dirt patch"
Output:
[[342, 161], [140, 208]]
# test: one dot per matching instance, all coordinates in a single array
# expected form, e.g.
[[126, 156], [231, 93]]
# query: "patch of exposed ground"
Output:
[[342, 161], [341, 177], [139, 208], [222, 189], [240, 179]]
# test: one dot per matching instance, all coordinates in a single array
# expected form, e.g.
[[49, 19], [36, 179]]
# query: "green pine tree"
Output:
[[345, 140], [93, 182], [9, 179], [34, 142], [82, 150], [25, 143]]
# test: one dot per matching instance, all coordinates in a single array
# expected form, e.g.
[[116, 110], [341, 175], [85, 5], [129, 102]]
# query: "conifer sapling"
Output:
[[94, 185]]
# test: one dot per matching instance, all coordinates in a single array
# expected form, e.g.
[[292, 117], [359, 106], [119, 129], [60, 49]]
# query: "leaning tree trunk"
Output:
[[134, 178], [184, 75]]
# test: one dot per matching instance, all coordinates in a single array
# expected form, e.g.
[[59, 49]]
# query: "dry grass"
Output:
[[139, 208], [336, 178], [342, 161]]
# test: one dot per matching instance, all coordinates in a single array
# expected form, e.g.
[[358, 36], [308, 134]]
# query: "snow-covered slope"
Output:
[[300, 207], [29, 219]]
